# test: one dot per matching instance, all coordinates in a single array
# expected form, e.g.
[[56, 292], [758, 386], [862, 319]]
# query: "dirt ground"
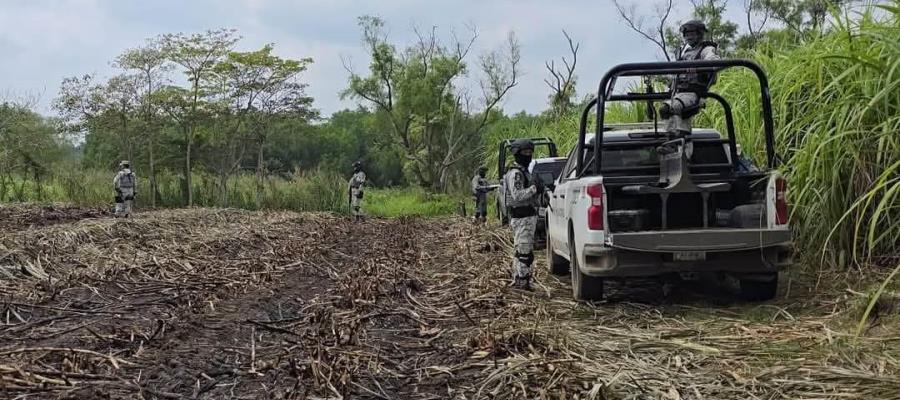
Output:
[[227, 304]]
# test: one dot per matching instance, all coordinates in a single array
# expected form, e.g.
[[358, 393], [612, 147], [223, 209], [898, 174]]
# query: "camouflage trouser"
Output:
[[523, 239], [124, 208], [355, 203], [681, 101], [480, 205]]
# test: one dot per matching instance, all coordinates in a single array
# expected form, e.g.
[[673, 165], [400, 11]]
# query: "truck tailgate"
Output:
[[711, 240]]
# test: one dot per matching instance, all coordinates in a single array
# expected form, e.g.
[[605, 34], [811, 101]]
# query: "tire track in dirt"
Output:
[[238, 305]]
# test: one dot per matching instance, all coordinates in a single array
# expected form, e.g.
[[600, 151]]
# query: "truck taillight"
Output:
[[781, 210], [595, 210]]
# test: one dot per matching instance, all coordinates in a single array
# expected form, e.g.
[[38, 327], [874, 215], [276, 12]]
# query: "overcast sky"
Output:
[[43, 41]]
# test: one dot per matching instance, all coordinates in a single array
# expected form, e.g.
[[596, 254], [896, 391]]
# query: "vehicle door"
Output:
[[557, 214]]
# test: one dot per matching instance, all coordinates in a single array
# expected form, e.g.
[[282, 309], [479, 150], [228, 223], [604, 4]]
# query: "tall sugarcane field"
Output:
[[699, 200]]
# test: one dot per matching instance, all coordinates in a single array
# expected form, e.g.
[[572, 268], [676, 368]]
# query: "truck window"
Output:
[[548, 172]]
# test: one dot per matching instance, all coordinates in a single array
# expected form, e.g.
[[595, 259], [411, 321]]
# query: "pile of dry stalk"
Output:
[[226, 304]]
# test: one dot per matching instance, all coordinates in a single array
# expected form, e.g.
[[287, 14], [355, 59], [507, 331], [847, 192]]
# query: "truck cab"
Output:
[[632, 201]]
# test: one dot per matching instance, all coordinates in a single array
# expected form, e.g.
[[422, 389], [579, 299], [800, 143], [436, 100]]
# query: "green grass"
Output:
[[312, 191], [404, 202], [837, 117], [836, 104]]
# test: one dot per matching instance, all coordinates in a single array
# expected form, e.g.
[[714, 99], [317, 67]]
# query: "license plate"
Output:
[[689, 255]]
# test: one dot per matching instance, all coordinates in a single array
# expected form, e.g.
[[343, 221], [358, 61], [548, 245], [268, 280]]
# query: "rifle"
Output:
[[350, 200]]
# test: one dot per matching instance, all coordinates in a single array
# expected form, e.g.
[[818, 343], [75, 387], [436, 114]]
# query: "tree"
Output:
[[263, 87], [197, 54], [656, 32], [79, 102], [86, 106], [121, 101], [416, 90], [562, 83], [800, 16], [149, 62], [751, 10], [29, 144]]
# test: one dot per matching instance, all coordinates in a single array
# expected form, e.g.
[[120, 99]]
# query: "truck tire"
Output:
[[756, 289], [557, 264], [584, 287]]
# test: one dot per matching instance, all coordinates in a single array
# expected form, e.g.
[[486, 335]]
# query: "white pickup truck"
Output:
[[656, 206]]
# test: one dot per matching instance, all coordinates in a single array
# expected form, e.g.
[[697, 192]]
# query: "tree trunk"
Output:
[[152, 172], [223, 189], [4, 179], [187, 169], [259, 173]]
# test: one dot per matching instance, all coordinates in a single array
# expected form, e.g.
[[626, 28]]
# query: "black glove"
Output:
[[545, 199], [539, 186]]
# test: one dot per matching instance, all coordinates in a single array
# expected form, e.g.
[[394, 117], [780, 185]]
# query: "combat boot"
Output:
[[523, 284]]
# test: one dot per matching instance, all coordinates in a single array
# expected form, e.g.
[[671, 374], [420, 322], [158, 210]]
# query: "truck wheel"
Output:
[[556, 263], [760, 287], [584, 287]]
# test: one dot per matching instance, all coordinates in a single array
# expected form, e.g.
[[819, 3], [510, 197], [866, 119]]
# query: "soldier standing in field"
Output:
[[480, 189], [689, 88], [125, 185], [522, 198], [357, 181]]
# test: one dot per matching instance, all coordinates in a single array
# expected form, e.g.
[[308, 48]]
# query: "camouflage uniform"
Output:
[[125, 184], [522, 198], [688, 87], [356, 193], [480, 188]]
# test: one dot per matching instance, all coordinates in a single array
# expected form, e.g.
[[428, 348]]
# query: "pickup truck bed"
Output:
[[621, 225]]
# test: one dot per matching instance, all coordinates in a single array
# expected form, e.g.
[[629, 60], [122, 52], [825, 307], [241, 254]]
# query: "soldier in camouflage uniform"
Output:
[[356, 190], [689, 87], [522, 193], [480, 189], [125, 185]]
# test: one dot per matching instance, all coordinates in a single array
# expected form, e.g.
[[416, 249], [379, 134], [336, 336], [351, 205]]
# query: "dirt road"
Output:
[[224, 304]]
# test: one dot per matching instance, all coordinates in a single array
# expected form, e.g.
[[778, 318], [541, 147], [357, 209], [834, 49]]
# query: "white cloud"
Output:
[[46, 40]]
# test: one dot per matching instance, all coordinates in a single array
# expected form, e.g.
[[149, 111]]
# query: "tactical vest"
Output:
[[695, 82], [525, 210], [127, 181], [356, 181]]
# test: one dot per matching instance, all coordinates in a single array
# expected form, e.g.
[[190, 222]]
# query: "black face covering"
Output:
[[523, 160]]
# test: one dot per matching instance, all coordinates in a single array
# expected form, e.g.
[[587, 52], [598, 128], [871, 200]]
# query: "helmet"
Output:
[[124, 163], [693, 25], [521, 144], [482, 170], [518, 147], [357, 164]]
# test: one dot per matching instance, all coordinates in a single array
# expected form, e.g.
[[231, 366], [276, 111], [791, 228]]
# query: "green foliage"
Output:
[[800, 16], [562, 130], [835, 103], [409, 201], [415, 89], [719, 30], [312, 191]]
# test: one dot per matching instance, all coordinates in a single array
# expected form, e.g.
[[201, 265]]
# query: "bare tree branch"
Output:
[[564, 85], [657, 34]]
